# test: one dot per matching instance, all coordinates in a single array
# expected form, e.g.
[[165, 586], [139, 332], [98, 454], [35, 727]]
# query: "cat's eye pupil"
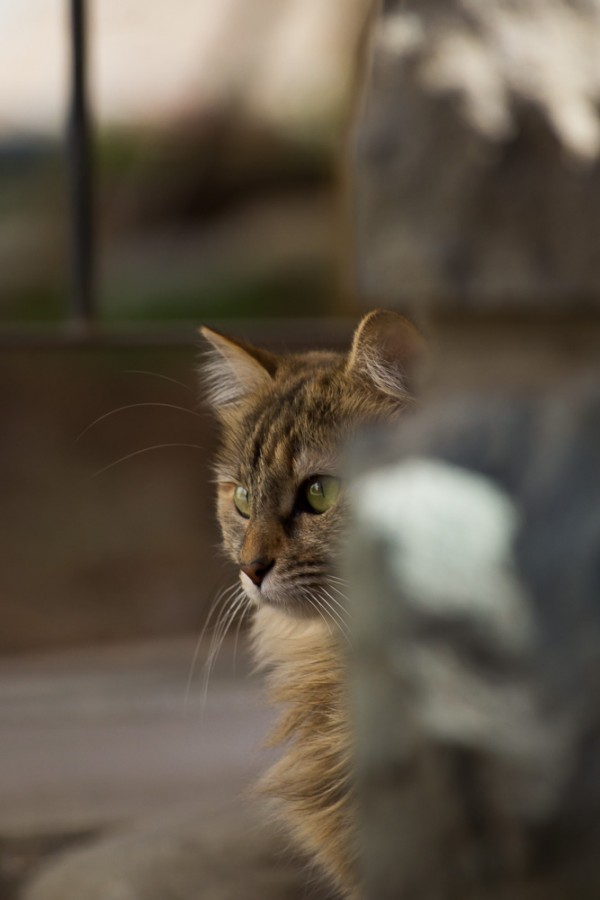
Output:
[[321, 493], [241, 499]]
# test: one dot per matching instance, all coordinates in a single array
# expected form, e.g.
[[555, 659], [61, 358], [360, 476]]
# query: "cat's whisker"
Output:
[[139, 452], [233, 595], [314, 602], [192, 671], [343, 581], [160, 375], [243, 615], [240, 602], [222, 597], [329, 613], [335, 616], [307, 595], [223, 625], [344, 604], [326, 608], [113, 412], [209, 662], [334, 600], [335, 587]]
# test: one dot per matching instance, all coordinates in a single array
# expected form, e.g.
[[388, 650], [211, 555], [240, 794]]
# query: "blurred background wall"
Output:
[[216, 134]]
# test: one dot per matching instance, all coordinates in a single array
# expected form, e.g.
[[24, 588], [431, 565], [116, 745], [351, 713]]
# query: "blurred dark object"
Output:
[[80, 171]]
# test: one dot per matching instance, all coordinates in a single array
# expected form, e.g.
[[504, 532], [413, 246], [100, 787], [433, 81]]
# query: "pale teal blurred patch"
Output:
[[450, 533], [447, 625]]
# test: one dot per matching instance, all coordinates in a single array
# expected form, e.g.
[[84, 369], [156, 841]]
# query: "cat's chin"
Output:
[[295, 607]]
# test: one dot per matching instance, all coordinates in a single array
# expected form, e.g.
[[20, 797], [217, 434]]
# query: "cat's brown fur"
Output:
[[285, 419]]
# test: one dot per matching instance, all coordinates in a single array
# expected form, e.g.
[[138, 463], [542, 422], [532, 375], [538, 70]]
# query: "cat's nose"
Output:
[[257, 569]]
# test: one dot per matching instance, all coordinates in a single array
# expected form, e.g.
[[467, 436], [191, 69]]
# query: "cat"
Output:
[[281, 506]]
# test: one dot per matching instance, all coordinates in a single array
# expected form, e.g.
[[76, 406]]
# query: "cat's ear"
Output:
[[388, 350], [232, 369]]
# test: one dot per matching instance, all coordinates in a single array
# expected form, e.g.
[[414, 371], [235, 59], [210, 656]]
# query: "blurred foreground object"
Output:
[[479, 650], [477, 538], [478, 154]]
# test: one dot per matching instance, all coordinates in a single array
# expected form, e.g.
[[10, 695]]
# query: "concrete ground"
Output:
[[119, 783]]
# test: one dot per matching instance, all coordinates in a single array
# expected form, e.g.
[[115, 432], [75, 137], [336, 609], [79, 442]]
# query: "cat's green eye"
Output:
[[321, 492], [241, 498]]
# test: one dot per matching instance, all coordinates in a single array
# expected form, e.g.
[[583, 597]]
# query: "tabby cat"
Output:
[[282, 511]]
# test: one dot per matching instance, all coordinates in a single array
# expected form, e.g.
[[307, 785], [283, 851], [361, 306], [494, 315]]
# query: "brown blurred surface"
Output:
[[90, 738], [94, 556], [110, 751]]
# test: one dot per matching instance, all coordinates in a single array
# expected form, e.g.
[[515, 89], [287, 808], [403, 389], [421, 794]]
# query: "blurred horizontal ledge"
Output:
[[512, 350], [290, 334]]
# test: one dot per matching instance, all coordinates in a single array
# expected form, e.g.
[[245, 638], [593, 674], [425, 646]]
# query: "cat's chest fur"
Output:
[[311, 781]]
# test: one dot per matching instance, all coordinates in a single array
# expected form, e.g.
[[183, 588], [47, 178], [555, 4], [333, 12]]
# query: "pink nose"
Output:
[[257, 569]]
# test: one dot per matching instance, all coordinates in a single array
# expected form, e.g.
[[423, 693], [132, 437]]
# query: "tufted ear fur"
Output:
[[233, 369], [388, 350]]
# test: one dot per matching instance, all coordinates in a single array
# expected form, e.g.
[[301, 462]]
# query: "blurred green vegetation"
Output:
[[218, 218]]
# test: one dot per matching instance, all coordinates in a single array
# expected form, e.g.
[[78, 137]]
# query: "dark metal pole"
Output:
[[80, 172]]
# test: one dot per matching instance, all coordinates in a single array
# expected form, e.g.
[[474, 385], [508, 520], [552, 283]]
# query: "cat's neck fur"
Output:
[[312, 780]]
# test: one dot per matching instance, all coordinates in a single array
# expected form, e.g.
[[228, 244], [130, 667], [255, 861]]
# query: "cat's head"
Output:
[[284, 422]]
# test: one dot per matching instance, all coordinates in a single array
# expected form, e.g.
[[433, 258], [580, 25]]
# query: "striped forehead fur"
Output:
[[274, 429], [309, 403]]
